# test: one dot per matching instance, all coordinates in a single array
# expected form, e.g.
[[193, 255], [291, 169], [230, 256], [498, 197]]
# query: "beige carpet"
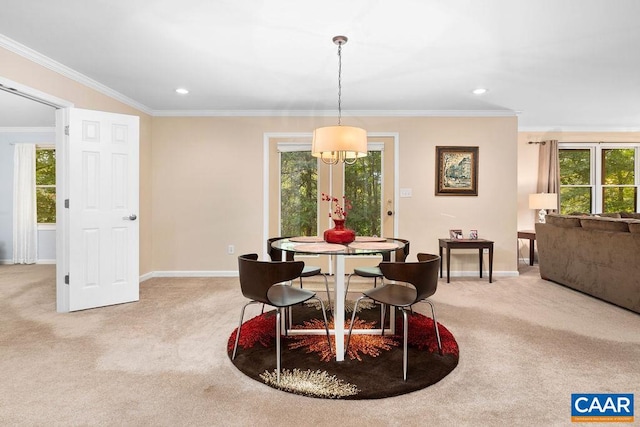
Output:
[[525, 346]]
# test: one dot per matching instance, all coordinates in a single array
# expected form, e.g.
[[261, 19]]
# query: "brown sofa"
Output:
[[595, 255]]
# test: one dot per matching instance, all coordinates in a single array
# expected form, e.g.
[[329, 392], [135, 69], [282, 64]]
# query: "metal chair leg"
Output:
[[278, 315], [435, 325], [353, 319], [405, 356], [326, 324], [346, 288], [326, 285], [235, 347]]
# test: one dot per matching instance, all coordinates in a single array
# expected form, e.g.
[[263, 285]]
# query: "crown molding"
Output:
[[331, 113], [556, 129], [59, 68]]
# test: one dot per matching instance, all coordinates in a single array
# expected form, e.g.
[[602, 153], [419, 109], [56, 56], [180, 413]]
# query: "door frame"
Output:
[[62, 107], [267, 136]]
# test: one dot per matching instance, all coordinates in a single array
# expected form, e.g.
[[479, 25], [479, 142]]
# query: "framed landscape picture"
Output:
[[456, 171]]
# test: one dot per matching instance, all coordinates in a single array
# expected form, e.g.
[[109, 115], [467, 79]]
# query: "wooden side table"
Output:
[[531, 235], [479, 244]]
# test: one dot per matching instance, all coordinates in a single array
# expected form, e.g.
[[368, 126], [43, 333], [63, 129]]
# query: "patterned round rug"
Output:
[[372, 368]]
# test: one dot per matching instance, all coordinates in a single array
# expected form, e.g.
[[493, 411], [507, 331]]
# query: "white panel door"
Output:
[[103, 209]]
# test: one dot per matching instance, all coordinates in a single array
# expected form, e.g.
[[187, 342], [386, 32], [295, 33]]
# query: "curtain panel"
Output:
[[25, 219], [549, 169]]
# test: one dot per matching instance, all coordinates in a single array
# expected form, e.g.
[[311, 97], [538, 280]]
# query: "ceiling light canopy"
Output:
[[334, 144]]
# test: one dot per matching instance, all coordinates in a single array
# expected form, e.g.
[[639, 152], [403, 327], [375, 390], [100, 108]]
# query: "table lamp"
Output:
[[543, 201]]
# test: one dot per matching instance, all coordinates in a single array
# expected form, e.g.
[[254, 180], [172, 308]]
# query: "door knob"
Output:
[[389, 213], [131, 217]]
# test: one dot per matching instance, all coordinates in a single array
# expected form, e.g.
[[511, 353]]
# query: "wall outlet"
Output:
[[231, 249], [485, 250]]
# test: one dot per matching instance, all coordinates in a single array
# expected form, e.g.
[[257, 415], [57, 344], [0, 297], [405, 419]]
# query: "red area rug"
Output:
[[372, 368]]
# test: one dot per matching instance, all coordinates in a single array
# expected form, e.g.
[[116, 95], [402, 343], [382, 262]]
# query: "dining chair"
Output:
[[308, 271], [423, 278], [262, 283], [374, 272]]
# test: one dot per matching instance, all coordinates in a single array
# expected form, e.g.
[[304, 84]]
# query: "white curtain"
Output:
[[25, 221]]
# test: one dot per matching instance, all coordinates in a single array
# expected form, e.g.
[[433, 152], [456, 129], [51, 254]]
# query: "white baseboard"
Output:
[[485, 274], [204, 273], [40, 261]]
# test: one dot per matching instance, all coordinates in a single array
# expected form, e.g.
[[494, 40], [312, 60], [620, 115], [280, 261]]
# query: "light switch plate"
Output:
[[405, 192]]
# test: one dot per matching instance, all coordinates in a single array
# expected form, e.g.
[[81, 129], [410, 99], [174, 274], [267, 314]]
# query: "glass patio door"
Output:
[[296, 181]]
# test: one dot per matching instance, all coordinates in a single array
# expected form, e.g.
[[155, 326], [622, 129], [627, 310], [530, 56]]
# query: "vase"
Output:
[[339, 233]]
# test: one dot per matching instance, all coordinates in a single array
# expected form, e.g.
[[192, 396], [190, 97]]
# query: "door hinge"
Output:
[[66, 130], [66, 203], [66, 279]]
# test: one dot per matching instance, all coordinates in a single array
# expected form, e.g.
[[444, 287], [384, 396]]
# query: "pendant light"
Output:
[[334, 144]]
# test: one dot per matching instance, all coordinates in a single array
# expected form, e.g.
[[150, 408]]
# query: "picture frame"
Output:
[[456, 171]]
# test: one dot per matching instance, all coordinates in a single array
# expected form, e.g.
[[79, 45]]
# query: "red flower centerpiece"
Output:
[[339, 233]]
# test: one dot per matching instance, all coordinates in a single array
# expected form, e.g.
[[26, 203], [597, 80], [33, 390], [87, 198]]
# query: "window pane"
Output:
[[46, 202], [575, 167], [618, 166], [575, 200], [619, 199], [363, 183], [298, 194], [45, 167]]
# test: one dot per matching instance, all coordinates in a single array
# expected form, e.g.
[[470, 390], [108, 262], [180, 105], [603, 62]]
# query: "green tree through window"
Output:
[[363, 181], [46, 185], [613, 189], [575, 181], [298, 194], [618, 179]]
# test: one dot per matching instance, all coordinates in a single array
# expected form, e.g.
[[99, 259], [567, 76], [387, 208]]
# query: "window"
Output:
[[299, 190], [598, 178], [298, 193], [619, 190], [363, 182], [46, 184]]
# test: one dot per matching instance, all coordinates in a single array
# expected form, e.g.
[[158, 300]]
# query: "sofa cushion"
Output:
[[609, 215], [604, 224], [630, 215], [634, 227], [563, 220]]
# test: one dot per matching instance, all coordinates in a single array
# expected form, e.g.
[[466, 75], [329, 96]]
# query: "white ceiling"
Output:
[[571, 64]]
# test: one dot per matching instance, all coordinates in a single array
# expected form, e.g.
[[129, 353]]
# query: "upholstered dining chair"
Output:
[[262, 283], [374, 272], [308, 271], [423, 278]]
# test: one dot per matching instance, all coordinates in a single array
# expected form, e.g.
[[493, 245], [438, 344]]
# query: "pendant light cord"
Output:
[[339, 84]]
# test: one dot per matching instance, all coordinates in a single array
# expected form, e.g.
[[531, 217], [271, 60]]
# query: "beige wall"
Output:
[[201, 178], [27, 73], [207, 190]]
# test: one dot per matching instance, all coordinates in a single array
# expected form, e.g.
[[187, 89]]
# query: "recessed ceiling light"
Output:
[[479, 91], [182, 91]]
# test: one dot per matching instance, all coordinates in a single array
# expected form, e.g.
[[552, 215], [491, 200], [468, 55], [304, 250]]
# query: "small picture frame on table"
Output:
[[455, 234]]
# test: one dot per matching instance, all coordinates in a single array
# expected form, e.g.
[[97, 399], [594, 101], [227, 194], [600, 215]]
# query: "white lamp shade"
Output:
[[543, 201], [330, 140]]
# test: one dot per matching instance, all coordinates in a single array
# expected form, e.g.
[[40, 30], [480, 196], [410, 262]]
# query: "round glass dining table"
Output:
[[317, 246]]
